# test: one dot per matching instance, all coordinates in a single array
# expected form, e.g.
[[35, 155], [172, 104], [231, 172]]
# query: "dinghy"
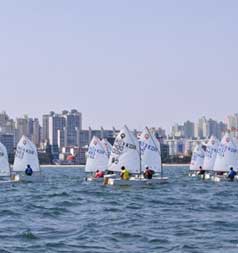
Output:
[[197, 160], [210, 156], [125, 152], [5, 171], [151, 156], [227, 157], [97, 159], [26, 154]]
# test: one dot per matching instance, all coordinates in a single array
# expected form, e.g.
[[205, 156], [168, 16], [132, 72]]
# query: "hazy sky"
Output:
[[120, 61]]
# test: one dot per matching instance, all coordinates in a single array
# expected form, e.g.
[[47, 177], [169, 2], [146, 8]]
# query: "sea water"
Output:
[[65, 214]]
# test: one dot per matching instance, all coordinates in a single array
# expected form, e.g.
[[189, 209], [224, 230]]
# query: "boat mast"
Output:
[[140, 159]]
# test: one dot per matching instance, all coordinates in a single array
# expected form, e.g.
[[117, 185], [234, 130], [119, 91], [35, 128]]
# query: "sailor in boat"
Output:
[[29, 170], [201, 172], [125, 174], [99, 174], [231, 174], [148, 173]]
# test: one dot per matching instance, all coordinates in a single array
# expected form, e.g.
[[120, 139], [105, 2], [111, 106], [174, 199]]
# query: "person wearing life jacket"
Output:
[[99, 174], [148, 173], [29, 170], [125, 175], [231, 174]]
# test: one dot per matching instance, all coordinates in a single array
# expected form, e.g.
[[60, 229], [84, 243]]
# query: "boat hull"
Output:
[[136, 181], [9, 180], [101, 179], [22, 177], [95, 180], [206, 176]]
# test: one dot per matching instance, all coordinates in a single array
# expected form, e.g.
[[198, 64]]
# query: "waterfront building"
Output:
[[188, 129], [8, 141]]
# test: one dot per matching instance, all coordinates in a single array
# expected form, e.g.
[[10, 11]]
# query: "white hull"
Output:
[[36, 177], [222, 178], [219, 178], [136, 181], [93, 179], [193, 174], [101, 179], [9, 180], [207, 176]]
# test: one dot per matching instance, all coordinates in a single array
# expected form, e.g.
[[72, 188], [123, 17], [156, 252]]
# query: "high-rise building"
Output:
[[56, 122], [232, 124], [200, 128], [188, 128], [36, 134], [7, 125], [45, 126], [8, 141], [21, 128], [177, 131], [73, 123]]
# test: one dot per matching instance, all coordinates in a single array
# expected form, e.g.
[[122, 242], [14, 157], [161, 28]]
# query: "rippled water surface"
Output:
[[65, 214]]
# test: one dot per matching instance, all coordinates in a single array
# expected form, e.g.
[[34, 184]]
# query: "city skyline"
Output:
[[136, 63], [231, 120]]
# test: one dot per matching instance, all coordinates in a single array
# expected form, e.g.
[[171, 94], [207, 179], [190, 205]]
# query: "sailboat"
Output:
[[26, 154], [227, 157], [151, 155], [5, 171], [97, 158], [125, 152], [210, 156], [197, 160]]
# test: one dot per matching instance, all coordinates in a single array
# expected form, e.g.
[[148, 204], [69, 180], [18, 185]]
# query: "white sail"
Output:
[[211, 153], [125, 152], [26, 153], [150, 151], [227, 155], [97, 158], [107, 146], [197, 157], [4, 164]]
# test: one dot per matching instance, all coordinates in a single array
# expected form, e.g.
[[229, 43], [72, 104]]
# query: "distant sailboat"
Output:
[[5, 171], [151, 154], [227, 157], [210, 156], [26, 154], [4, 164], [197, 160], [97, 158]]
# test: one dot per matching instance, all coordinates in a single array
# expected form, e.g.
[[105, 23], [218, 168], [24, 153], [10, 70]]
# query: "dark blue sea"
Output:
[[65, 214]]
